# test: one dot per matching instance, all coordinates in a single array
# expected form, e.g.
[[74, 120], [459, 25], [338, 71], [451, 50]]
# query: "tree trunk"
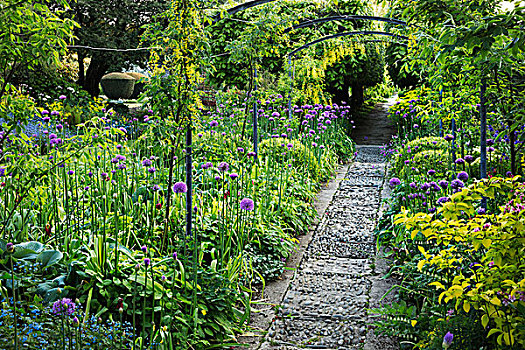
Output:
[[81, 72], [357, 98], [339, 95], [96, 70]]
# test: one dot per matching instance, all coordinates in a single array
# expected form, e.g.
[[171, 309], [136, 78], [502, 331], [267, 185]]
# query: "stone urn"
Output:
[[117, 85]]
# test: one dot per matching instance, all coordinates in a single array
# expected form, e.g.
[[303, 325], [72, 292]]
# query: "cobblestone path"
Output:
[[340, 274]]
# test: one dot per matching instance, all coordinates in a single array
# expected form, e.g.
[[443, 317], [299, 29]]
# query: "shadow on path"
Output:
[[375, 128]]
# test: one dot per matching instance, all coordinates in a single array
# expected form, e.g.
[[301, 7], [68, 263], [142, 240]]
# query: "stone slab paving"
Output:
[[326, 304]]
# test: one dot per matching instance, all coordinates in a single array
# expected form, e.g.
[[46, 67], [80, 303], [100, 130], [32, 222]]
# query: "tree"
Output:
[[30, 34], [116, 24]]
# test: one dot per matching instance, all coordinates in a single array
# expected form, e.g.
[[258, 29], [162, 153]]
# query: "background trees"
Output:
[[109, 24], [30, 34]]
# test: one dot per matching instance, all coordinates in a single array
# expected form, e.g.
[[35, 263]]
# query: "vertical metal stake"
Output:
[[291, 87], [483, 136], [189, 179], [453, 144], [441, 105], [255, 136]]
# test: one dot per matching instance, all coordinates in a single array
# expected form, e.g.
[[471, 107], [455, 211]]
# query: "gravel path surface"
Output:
[[340, 274], [375, 128]]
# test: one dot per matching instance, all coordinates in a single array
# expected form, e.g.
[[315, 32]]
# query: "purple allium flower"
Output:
[[180, 187], [491, 149], [508, 174], [71, 172], [447, 340], [146, 162], [147, 261], [463, 176], [60, 127], [233, 176], [46, 119], [247, 204], [432, 210], [449, 137], [213, 123], [217, 178], [240, 149], [174, 255], [144, 249], [62, 97], [425, 186], [63, 307], [223, 166], [490, 142], [469, 159], [460, 161], [52, 136], [442, 200], [251, 154], [443, 184], [45, 111], [152, 170], [431, 172], [206, 165], [457, 184], [104, 174], [412, 185], [482, 211], [434, 186], [393, 182]]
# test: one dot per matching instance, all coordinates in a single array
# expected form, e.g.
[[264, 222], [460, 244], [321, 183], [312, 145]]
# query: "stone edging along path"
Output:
[[335, 274]]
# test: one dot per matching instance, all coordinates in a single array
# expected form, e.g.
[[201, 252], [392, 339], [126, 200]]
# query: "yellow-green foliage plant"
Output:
[[481, 256]]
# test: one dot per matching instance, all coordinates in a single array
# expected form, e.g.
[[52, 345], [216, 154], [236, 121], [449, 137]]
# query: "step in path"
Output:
[[340, 275]]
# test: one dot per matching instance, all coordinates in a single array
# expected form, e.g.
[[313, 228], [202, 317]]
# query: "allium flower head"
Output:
[[457, 184], [63, 307], [469, 159], [146, 162], [394, 182], [247, 204], [431, 172], [463, 176], [447, 340], [233, 176], [180, 187], [223, 166], [449, 137], [460, 161], [443, 200]]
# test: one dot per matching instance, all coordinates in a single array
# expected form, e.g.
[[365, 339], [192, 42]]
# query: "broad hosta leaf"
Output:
[[49, 257]]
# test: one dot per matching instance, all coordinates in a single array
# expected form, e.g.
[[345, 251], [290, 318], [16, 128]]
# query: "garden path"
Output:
[[374, 128], [340, 274]]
